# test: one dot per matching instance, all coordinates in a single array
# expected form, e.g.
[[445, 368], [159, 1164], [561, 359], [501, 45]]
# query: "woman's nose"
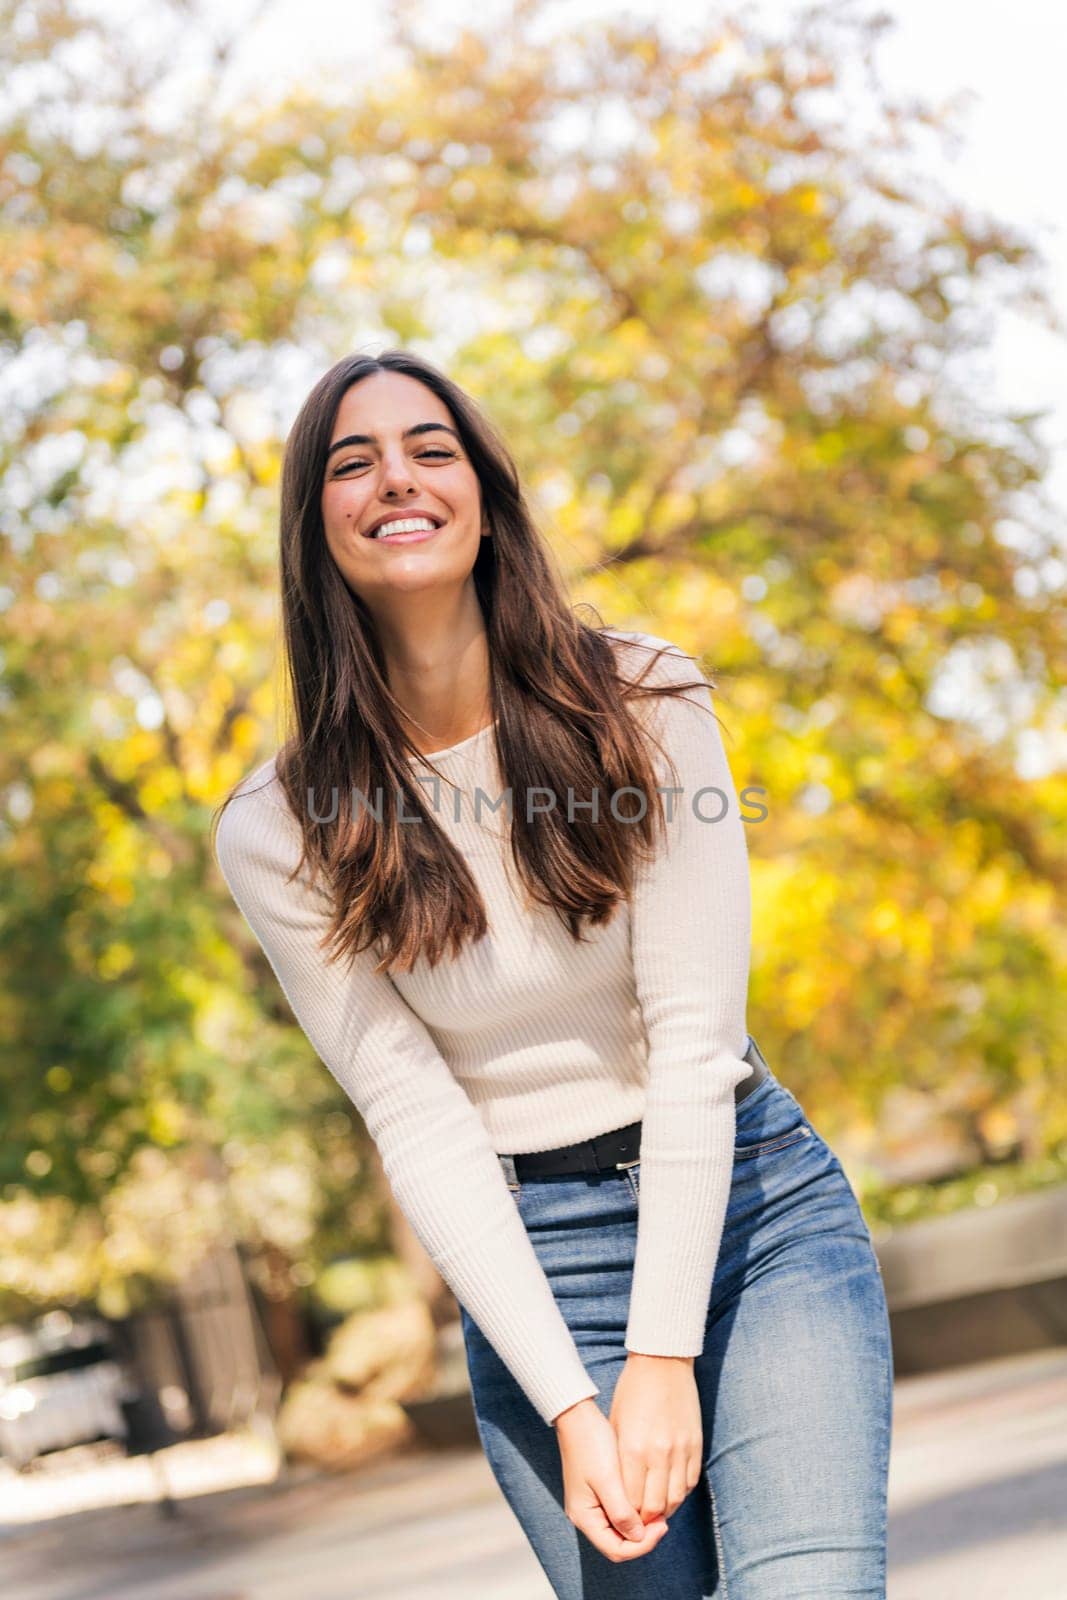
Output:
[[397, 478]]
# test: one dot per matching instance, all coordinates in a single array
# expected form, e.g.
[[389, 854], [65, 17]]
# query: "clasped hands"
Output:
[[625, 1474]]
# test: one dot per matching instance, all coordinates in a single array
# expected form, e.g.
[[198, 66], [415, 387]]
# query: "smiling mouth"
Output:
[[405, 527]]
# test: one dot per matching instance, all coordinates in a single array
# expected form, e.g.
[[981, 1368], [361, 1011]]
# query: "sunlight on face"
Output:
[[395, 452]]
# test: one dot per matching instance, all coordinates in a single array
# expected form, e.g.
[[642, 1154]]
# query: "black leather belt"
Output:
[[621, 1147]]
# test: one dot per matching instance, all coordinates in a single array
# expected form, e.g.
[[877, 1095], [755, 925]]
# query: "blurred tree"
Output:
[[732, 330]]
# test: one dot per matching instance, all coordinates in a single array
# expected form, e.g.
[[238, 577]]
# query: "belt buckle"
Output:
[[619, 1166]]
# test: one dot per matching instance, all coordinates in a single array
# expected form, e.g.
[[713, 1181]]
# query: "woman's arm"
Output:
[[691, 939], [435, 1150]]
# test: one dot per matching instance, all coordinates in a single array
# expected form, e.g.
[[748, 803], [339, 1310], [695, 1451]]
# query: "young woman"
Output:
[[500, 871]]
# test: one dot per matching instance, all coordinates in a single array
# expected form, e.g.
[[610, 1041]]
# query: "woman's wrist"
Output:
[[634, 1358], [640, 1359], [577, 1410]]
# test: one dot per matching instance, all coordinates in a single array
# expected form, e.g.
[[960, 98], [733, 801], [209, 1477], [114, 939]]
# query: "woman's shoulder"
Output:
[[257, 788], [256, 813], [667, 661]]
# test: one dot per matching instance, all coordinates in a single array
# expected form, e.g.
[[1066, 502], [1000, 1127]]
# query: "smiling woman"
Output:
[[395, 482], [543, 1024]]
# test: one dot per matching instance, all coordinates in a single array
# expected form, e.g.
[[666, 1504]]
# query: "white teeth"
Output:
[[404, 525]]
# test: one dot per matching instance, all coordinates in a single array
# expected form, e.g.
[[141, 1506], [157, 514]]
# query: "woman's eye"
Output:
[[424, 455]]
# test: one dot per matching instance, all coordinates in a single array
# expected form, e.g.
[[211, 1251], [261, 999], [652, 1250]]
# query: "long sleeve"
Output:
[[435, 1149], [691, 938]]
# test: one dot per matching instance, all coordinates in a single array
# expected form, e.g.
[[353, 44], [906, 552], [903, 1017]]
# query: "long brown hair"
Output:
[[559, 694]]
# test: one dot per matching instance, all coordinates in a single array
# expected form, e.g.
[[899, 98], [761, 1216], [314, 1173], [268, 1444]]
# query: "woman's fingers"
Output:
[[678, 1485], [634, 1470], [659, 1486], [593, 1522], [620, 1509], [653, 1501], [597, 1497], [626, 1535]]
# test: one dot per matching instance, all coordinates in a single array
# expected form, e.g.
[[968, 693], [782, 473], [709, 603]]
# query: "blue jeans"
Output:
[[795, 1379]]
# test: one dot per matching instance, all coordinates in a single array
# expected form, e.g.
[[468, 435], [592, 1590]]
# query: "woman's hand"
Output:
[[593, 1494], [655, 1412]]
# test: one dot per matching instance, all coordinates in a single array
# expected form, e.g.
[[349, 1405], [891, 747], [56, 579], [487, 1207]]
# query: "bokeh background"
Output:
[[771, 312]]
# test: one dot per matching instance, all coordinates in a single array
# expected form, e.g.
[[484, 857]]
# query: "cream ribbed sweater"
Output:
[[528, 1040]]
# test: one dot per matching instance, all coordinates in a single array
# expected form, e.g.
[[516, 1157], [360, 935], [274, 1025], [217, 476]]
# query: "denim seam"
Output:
[[717, 1531], [781, 1143], [887, 1441]]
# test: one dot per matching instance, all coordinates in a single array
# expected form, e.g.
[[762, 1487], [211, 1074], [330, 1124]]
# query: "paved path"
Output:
[[978, 1483], [978, 1509]]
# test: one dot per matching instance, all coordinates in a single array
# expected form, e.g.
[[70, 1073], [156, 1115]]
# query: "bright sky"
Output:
[[1009, 59]]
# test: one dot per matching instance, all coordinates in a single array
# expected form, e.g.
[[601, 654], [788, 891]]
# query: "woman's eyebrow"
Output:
[[370, 438]]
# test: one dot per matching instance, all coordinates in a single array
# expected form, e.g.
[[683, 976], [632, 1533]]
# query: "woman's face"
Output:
[[378, 469]]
